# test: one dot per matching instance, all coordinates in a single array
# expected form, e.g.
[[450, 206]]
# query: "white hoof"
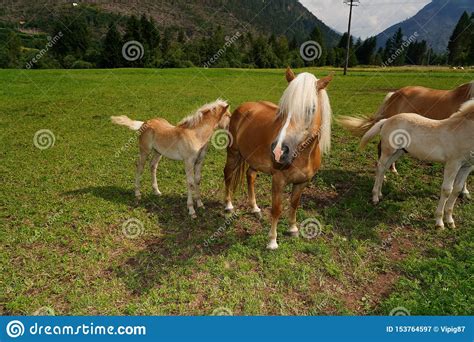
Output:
[[157, 192], [451, 225], [229, 207], [272, 245], [293, 231], [200, 204]]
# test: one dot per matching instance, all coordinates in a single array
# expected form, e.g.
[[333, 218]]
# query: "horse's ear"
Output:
[[289, 74], [323, 82], [224, 109]]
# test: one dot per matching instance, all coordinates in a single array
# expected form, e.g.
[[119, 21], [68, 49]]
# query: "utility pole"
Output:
[[351, 4]]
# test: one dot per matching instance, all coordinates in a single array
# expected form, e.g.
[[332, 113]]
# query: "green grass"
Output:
[[63, 249]]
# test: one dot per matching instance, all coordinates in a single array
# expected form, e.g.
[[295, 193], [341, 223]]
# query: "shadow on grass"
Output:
[[342, 198], [176, 245], [344, 201]]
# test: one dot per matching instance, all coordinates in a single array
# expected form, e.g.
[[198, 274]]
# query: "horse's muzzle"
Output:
[[281, 155]]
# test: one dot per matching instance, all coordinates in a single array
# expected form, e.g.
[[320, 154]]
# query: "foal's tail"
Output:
[[126, 121], [372, 132], [360, 125]]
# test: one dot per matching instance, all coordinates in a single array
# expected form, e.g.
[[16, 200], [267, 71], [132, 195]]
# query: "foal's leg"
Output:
[[459, 183], [278, 184], [197, 175], [144, 152], [251, 176], [450, 172], [189, 167], [384, 162], [393, 167], [465, 193], [153, 167], [294, 203]]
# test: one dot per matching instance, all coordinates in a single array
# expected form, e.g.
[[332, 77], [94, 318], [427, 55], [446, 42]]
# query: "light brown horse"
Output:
[[450, 141], [286, 141], [431, 103], [188, 141]]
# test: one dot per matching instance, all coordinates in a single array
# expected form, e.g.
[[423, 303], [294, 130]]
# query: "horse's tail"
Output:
[[372, 132], [360, 125], [236, 176], [127, 122]]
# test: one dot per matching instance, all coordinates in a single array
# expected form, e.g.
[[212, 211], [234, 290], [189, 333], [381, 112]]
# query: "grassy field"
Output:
[[62, 246]]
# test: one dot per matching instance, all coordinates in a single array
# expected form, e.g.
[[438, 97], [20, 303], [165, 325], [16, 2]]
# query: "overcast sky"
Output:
[[369, 18]]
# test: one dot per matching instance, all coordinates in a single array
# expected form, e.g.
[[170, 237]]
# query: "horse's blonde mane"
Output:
[[299, 103], [466, 110], [194, 119]]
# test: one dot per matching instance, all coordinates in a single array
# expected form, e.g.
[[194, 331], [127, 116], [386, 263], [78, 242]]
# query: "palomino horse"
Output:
[[431, 103], [286, 141], [188, 141], [450, 141]]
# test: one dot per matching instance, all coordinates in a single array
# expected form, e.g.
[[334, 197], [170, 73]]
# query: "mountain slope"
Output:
[[197, 17], [434, 23]]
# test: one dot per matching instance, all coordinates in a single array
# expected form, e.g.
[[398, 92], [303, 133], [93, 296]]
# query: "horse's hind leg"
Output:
[[459, 183], [231, 166], [393, 167], [144, 152], [251, 176], [450, 172], [465, 193], [386, 159], [153, 167], [294, 203]]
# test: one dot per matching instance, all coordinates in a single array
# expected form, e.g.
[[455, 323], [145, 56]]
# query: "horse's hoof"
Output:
[[157, 192], [257, 213], [293, 233], [272, 245], [193, 216], [465, 196], [451, 225], [440, 226], [375, 201]]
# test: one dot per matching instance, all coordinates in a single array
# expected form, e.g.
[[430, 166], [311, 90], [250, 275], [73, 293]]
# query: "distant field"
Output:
[[63, 251]]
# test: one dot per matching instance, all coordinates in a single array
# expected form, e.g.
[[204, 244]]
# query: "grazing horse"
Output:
[[431, 103], [188, 141], [450, 141], [286, 141]]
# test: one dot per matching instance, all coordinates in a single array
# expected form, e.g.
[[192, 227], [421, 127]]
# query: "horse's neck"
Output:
[[204, 130]]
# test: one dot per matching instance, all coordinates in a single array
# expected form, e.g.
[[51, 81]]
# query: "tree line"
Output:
[[154, 47]]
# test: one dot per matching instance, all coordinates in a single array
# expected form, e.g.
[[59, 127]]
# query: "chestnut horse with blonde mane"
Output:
[[286, 141], [433, 104]]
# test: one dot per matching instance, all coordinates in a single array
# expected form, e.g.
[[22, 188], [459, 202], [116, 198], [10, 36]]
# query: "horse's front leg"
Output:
[[278, 184], [189, 167], [197, 175], [294, 203]]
